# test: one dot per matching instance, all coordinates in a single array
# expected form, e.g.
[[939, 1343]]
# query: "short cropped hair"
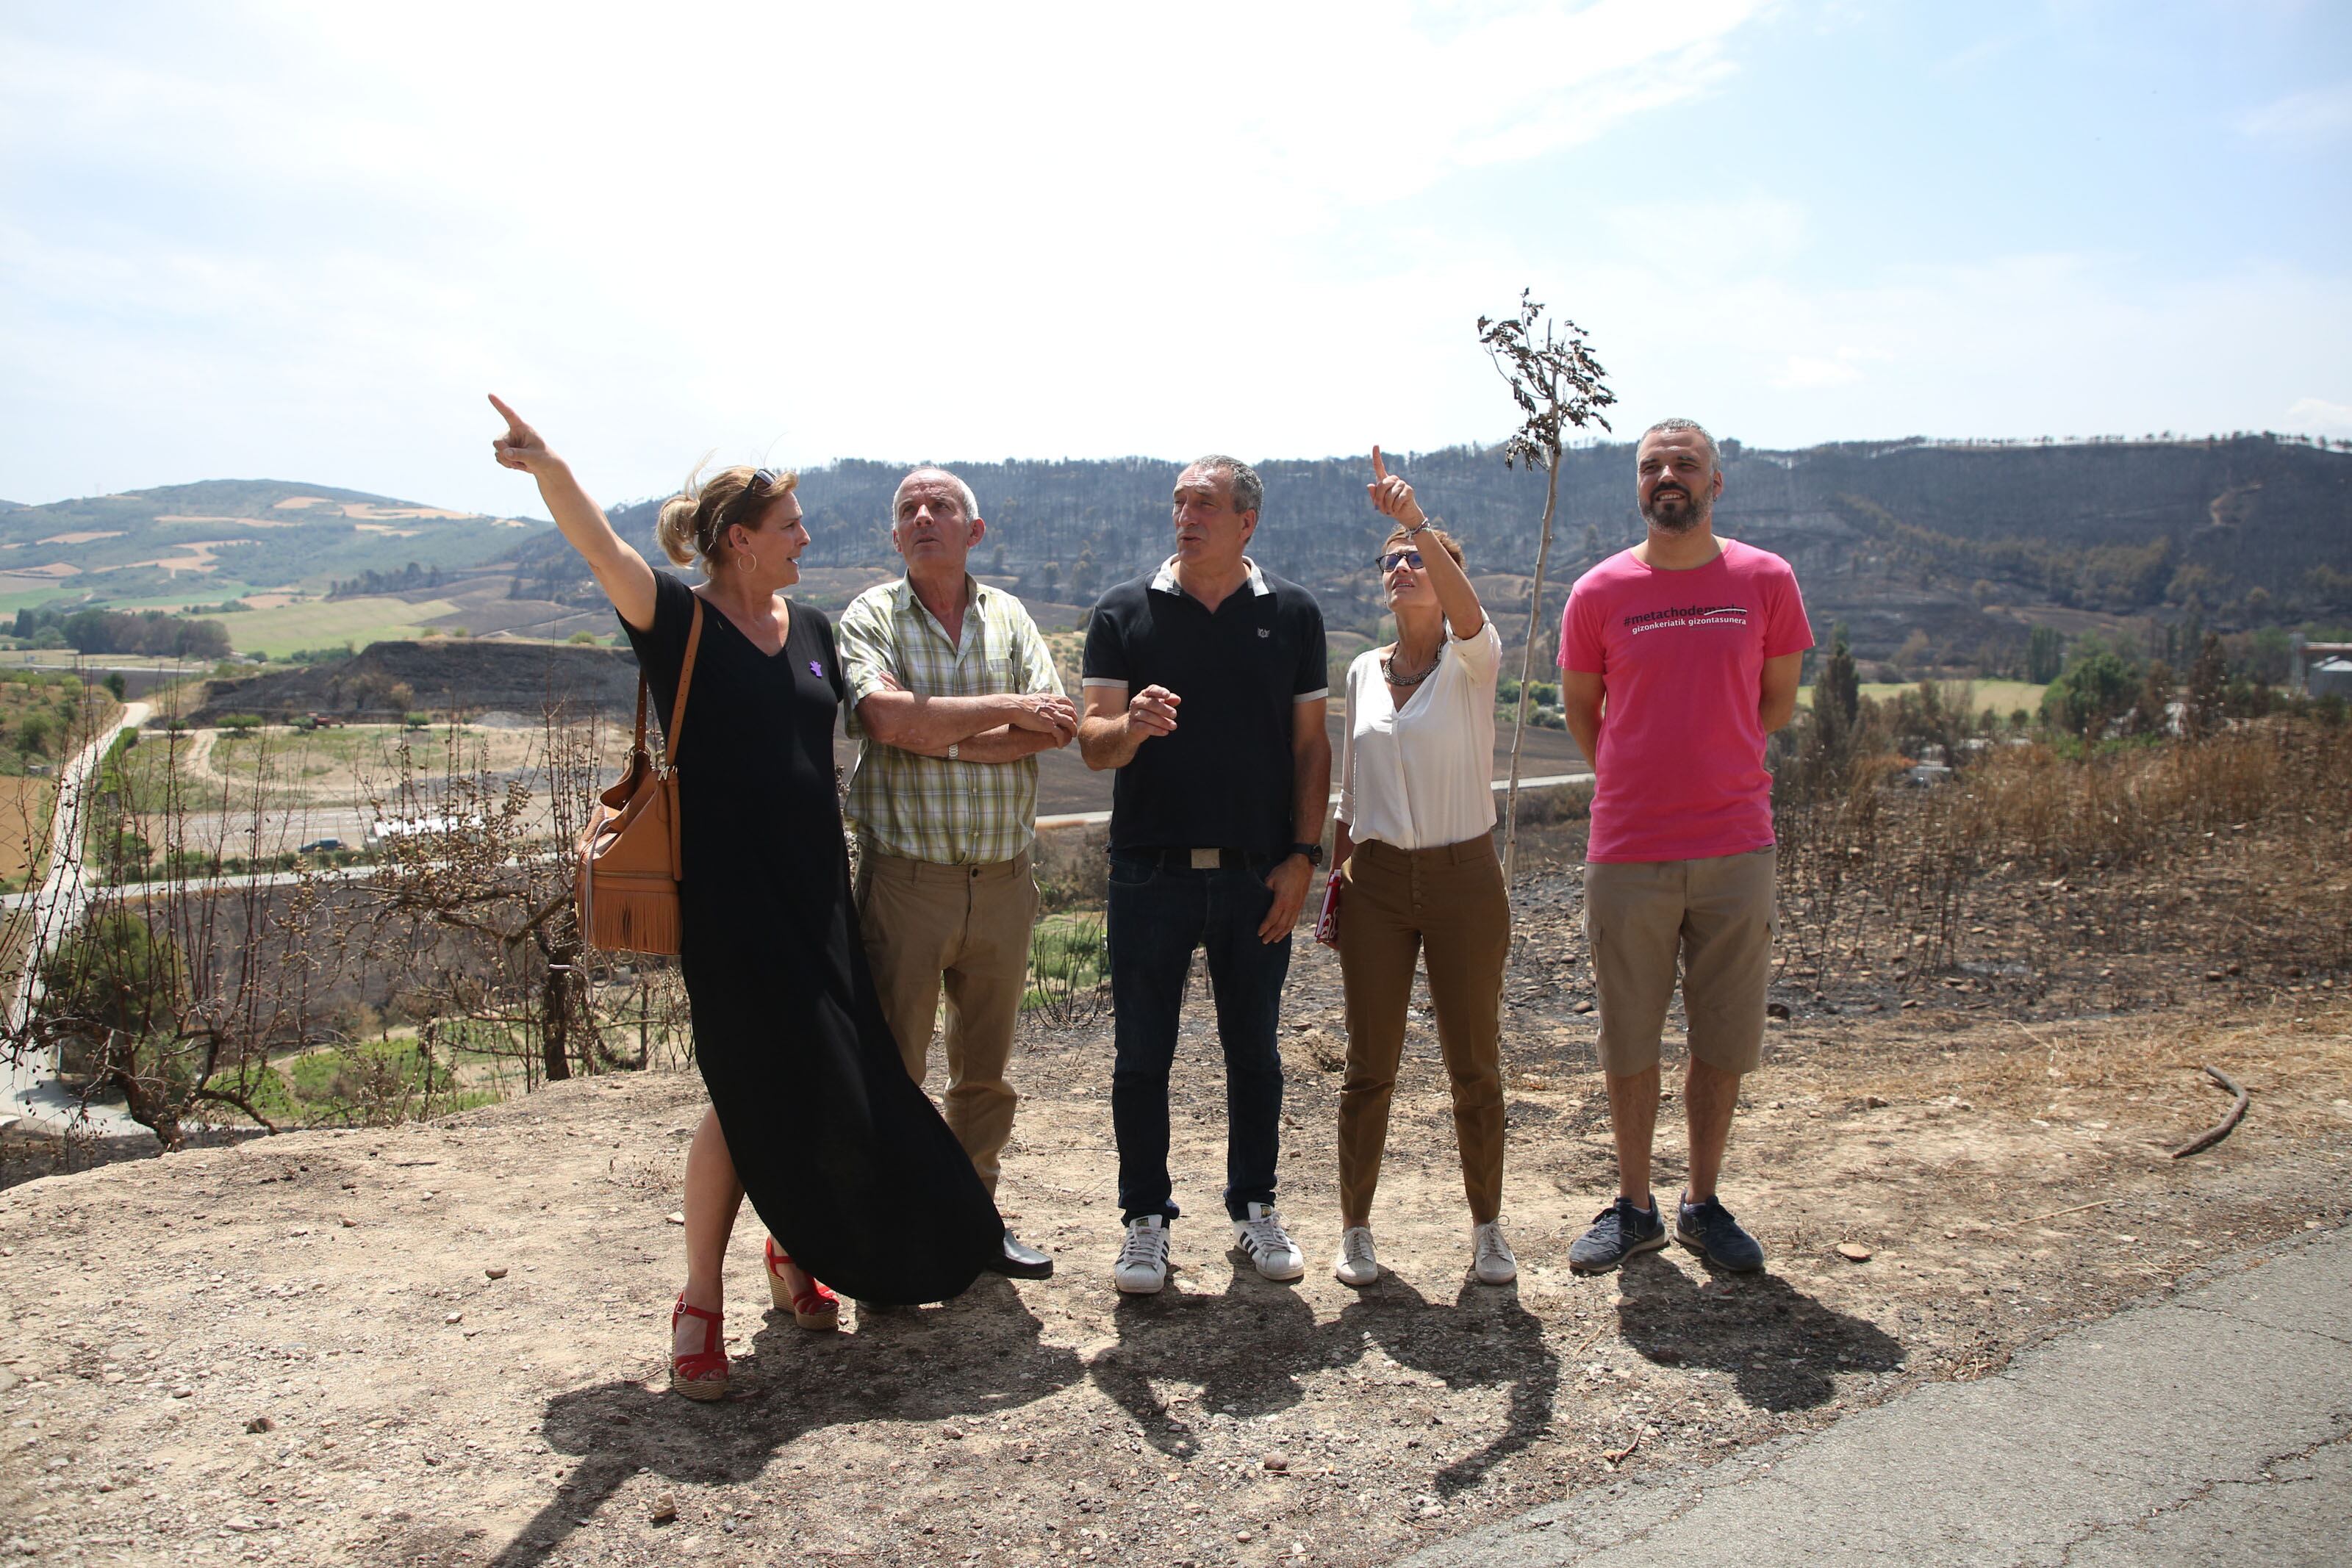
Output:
[[971, 501], [1714, 458], [1248, 489]]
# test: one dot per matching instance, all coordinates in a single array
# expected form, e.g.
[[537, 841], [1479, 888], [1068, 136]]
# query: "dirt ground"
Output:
[[444, 1344]]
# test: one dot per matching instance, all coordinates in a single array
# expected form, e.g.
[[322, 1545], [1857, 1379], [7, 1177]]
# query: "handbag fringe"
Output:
[[620, 918]]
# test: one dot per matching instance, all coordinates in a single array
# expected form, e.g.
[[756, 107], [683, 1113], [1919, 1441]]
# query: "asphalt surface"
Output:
[[28, 1083], [2208, 1427]]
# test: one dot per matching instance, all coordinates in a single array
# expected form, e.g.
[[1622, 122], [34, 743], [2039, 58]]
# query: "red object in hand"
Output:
[[1326, 924]]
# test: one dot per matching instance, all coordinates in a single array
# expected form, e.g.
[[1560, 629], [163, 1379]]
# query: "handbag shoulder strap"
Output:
[[685, 682], [639, 743]]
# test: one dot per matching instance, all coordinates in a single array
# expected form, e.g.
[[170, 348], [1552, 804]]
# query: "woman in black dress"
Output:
[[813, 1114]]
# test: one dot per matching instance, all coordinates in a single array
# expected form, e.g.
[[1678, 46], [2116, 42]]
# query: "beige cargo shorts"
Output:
[[1715, 917]]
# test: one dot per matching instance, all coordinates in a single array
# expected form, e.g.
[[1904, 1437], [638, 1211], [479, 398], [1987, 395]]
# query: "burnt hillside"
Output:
[[386, 680], [1968, 544]]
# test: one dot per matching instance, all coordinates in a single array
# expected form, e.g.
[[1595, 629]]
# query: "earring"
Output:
[[751, 562]]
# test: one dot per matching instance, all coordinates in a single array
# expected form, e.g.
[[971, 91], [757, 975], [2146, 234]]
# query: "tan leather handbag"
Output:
[[625, 890]]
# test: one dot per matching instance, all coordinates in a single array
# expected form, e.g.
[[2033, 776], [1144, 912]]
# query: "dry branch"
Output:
[[2221, 1129]]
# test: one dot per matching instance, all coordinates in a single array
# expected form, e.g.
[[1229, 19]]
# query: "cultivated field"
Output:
[[330, 623], [2000, 698]]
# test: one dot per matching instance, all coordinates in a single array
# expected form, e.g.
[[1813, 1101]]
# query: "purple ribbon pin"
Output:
[[816, 669]]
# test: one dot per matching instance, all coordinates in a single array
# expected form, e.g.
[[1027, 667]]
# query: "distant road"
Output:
[[31, 1090]]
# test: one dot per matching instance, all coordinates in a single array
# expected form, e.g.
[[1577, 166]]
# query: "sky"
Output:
[[252, 239]]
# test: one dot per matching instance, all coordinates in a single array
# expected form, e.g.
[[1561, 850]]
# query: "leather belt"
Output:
[[1197, 859]]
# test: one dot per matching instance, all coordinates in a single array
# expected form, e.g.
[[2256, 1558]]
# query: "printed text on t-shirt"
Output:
[[1734, 615]]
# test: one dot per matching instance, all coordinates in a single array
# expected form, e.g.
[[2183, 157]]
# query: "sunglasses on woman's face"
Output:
[[1395, 558]]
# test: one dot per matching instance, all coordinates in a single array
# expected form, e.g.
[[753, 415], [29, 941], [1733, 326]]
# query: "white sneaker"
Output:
[[1490, 1255], [1142, 1266], [1356, 1264], [1261, 1236]]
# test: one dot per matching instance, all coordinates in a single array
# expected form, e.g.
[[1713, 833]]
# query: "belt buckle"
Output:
[[1206, 860]]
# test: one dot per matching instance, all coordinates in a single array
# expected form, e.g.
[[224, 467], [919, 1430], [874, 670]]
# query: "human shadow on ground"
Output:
[[976, 1355], [1782, 1348], [1249, 1348], [1486, 1339], [1244, 1348]]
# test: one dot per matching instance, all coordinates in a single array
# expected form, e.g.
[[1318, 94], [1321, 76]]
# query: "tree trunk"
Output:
[[555, 1023], [1527, 669], [563, 954]]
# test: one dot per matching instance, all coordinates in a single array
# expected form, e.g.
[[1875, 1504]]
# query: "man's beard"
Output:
[[1691, 513]]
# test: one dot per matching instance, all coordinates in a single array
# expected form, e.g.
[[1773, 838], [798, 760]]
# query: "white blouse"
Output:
[[1420, 776]]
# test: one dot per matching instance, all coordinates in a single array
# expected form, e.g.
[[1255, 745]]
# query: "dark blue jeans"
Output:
[[1158, 917]]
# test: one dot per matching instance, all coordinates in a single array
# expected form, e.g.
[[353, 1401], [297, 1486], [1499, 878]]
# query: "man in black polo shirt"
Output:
[[1205, 687]]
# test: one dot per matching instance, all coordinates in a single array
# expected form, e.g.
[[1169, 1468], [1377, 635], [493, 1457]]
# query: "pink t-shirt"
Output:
[[1681, 655]]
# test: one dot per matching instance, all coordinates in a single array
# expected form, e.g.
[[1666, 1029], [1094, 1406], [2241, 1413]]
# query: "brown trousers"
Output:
[[1448, 904], [966, 927]]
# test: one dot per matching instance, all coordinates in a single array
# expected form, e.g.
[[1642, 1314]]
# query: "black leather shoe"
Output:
[[1021, 1261]]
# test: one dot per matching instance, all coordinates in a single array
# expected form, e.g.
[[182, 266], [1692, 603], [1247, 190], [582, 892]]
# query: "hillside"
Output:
[[223, 538], [1971, 546], [387, 680], [1931, 554]]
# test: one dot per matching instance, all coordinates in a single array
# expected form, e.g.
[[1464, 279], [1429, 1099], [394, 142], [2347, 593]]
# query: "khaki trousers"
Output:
[[966, 927], [1448, 903]]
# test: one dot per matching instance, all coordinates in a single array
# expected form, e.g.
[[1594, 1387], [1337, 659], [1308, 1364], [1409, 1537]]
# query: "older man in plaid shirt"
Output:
[[952, 693]]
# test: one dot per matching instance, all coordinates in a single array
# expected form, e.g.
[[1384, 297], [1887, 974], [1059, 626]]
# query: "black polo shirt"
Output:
[[1223, 779]]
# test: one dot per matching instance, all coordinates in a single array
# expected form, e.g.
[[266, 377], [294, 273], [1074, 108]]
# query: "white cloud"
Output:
[[1805, 372], [305, 241], [790, 229], [2317, 416], [2301, 119], [2065, 344]]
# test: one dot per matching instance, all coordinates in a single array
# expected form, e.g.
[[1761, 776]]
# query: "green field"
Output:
[[2002, 697], [328, 623], [209, 590]]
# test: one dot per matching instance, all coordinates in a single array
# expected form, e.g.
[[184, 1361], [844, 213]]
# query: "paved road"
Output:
[[29, 1089], [2213, 1427]]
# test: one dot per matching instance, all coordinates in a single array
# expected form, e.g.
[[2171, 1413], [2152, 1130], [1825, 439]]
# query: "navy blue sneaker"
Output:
[[1618, 1232], [1708, 1230]]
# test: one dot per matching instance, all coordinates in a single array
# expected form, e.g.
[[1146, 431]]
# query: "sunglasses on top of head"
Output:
[[1396, 558]]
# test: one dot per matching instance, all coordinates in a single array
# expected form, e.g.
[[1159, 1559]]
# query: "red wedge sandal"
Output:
[[703, 1376], [812, 1307]]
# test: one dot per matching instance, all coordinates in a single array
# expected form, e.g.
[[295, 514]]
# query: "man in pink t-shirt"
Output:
[[1678, 656]]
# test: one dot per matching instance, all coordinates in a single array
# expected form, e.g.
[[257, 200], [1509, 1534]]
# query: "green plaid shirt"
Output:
[[927, 808]]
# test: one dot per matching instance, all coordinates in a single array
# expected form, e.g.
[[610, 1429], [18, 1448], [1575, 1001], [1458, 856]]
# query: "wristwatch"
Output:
[[1314, 853]]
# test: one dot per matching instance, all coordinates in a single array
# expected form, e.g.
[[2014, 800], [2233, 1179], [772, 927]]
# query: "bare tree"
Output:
[[180, 977], [1558, 384], [482, 856]]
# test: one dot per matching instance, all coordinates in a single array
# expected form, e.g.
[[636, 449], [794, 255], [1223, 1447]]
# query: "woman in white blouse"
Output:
[[1418, 875]]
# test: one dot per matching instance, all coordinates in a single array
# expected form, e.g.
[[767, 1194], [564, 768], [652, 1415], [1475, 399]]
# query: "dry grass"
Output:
[[2232, 850]]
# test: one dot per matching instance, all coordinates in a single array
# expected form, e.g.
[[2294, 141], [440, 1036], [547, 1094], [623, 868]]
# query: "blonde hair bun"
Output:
[[694, 521]]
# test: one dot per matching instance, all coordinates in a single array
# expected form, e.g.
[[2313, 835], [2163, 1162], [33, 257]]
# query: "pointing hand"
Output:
[[1390, 496], [521, 447]]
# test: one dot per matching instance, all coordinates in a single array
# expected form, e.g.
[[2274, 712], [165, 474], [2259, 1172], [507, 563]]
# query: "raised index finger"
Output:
[[1380, 469], [515, 427]]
